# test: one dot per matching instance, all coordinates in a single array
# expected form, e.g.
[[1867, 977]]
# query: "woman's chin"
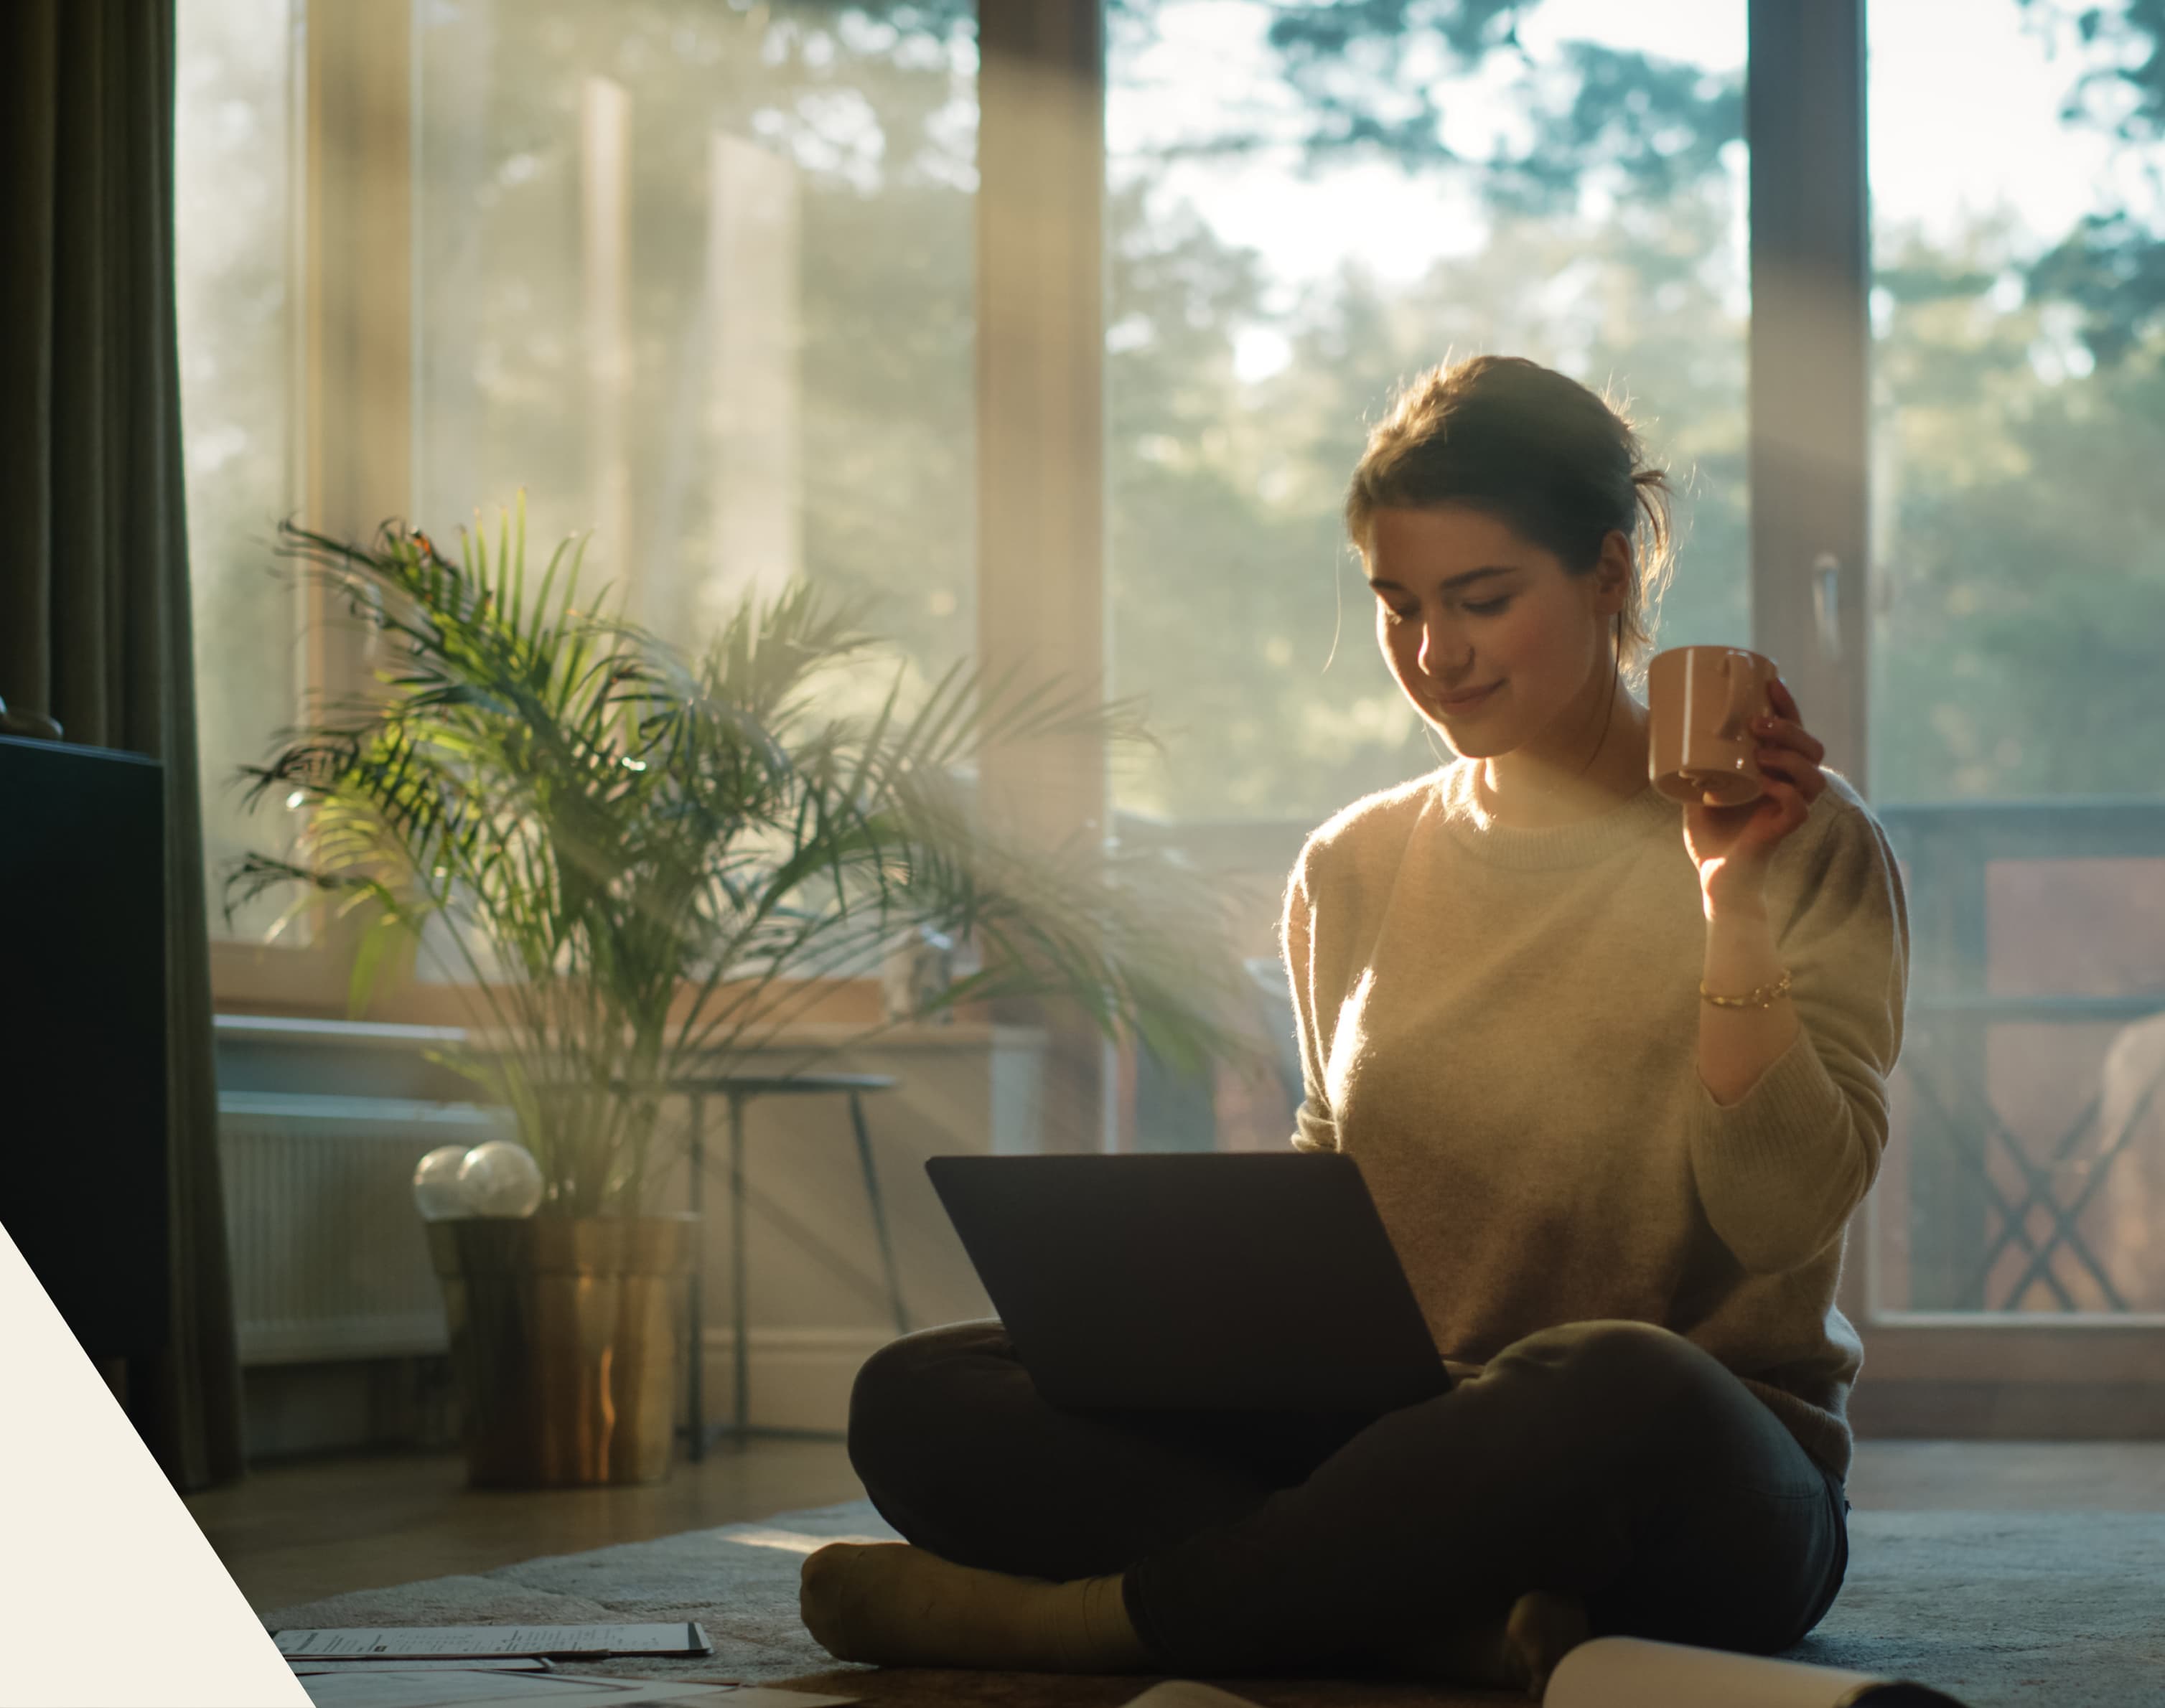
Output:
[[1469, 743]]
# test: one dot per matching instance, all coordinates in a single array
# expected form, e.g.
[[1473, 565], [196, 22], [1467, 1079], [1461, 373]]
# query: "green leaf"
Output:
[[640, 856]]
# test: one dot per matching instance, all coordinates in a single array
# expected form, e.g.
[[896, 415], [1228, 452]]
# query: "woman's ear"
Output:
[[1612, 576]]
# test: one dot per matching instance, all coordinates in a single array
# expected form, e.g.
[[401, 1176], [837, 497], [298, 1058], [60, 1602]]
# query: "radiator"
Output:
[[328, 1256]]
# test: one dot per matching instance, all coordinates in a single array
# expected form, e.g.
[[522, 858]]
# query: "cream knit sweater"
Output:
[[1502, 1025]]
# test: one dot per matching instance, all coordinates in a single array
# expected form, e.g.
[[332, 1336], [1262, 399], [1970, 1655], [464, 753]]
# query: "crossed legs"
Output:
[[1611, 1467]]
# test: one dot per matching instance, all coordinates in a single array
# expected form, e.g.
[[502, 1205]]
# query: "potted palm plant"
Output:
[[639, 861]]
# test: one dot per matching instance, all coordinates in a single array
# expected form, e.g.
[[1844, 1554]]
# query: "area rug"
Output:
[[1994, 1608]]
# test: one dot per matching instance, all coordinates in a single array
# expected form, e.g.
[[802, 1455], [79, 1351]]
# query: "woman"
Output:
[[1615, 1072]]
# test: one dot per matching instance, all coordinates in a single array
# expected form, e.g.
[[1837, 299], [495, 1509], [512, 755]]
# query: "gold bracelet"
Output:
[[1763, 997]]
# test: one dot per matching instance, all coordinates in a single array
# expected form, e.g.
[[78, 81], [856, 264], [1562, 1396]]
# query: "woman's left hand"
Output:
[[1731, 845]]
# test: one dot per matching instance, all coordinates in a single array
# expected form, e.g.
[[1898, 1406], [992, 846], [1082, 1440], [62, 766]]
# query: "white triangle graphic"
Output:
[[112, 1597]]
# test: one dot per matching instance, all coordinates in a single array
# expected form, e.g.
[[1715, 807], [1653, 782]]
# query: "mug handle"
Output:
[[1743, 698]]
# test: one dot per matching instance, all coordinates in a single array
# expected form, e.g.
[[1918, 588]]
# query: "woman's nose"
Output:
[[1439, 653]]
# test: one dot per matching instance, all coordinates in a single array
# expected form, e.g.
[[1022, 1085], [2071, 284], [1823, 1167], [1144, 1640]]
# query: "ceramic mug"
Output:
[[1700, 702]]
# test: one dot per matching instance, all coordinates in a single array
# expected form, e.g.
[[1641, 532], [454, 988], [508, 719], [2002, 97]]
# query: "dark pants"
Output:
[[1613, 1460]]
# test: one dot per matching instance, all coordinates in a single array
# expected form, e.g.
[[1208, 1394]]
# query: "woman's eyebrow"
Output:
[[1462, 580]]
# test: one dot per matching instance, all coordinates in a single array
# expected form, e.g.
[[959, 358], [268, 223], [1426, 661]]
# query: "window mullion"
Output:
[[1809, 377], [1040, 460], [356, 393], [1809, 383], [357, 390]]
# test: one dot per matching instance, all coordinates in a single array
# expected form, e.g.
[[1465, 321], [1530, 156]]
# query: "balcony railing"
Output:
[[2015, 998]]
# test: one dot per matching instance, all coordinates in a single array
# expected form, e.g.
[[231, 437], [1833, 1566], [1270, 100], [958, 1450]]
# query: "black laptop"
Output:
[[1233, 1281]]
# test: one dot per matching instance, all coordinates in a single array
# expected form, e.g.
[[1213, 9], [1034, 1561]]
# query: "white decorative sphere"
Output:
[[437, 1192], [500, 1178]]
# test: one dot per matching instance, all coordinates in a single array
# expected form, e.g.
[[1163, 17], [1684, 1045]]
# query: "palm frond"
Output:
[[647, 859]]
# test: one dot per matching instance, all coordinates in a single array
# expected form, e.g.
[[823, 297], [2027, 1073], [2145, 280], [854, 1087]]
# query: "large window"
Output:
[[234, 213], [2017, 734], [1304, 206], [693, 278], [705, 279], [2017, 217], [697, 277]]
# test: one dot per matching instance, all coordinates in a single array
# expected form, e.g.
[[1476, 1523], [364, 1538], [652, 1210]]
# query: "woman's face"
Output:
[[1464, 602]]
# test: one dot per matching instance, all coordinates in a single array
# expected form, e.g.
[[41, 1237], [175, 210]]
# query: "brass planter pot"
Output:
[[568, 1338]]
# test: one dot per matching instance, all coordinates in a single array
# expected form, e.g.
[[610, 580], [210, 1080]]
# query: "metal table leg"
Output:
[[742, 1349], [879, 1214], [695, 1377]]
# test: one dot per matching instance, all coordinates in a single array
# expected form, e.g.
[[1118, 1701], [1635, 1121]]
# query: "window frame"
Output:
[[351, 139], [1981, 1374], [1041, 498], [1038, 386]]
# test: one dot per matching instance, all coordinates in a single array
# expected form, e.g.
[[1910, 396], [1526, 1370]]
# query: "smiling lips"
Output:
[[1467, 701]]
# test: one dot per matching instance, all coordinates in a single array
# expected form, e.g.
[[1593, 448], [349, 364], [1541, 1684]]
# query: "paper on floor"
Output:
[[371, 1663], [482, 1642], [393, 1687], [1631, 1672]]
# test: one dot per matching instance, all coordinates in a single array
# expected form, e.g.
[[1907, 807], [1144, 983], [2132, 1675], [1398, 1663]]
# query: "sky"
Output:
[[1962, 116]]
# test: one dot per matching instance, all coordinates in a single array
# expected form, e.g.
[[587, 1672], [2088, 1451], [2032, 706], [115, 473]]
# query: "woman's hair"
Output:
[[1539, 452]]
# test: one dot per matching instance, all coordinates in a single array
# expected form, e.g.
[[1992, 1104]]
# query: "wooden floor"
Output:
[[292, 1532]]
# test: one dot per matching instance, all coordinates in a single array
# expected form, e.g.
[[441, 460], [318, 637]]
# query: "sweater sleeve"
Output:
[[1780, 1173], [1314, 1125]]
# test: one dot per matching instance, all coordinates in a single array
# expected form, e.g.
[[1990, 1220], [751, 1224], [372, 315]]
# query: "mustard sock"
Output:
[[892, 1604]]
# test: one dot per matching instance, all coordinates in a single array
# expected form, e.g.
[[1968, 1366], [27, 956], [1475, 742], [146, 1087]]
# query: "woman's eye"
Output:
[[1488, 607], [1398, 616]]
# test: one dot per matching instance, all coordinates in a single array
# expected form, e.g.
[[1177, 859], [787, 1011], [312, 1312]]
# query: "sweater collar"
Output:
[[1629, 824]]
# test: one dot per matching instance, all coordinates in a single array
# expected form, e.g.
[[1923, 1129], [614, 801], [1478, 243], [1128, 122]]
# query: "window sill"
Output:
[[276, 981]]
